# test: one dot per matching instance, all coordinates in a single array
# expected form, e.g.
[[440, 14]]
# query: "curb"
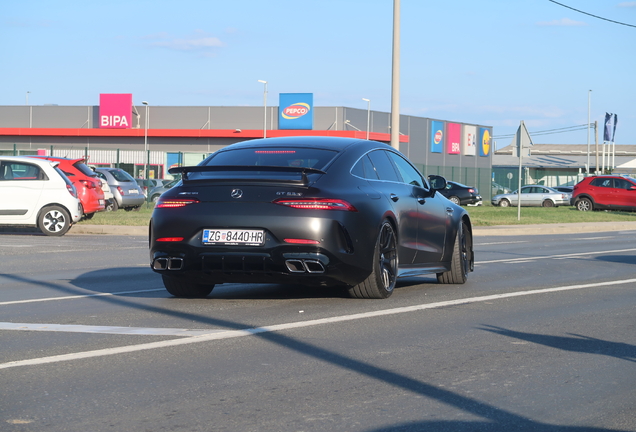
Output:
[[499, 230]]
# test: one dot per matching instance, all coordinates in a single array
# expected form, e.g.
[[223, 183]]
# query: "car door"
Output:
[[624, 194], [431, 210], [21, 186], [527, 196], [602, 190], [402, 200]]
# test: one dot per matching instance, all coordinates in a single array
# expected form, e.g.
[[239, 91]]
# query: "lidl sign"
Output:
[[296, 111]]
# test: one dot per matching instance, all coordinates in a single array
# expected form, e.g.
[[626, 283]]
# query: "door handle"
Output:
[[421, 200], [394, 197], [449, 210]]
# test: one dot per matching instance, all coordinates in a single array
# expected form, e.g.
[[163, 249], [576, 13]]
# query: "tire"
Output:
[[155, 198], [89, 215], [54, 221], [460, 261], [504, 203], [181, 287], [547, 203], [115, 206], [455, 200], [584, 204], [381, 282]]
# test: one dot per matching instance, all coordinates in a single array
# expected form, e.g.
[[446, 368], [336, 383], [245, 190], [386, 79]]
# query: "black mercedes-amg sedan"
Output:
[[307, 211]]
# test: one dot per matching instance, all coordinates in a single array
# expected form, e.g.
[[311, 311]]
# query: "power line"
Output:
[[548, 131], [595, 16]]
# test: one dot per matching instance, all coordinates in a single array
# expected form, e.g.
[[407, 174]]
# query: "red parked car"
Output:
[[605, 192], [88, 185]]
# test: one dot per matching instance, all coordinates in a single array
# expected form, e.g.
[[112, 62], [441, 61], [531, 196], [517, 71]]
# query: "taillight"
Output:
[[175, 202], [170, 239], [471, 191], [88, 183], [121, 191], [71, 190], [316, 204]]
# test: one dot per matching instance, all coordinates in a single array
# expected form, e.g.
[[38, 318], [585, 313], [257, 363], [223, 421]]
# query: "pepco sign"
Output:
[[296, 111], [115, 111]]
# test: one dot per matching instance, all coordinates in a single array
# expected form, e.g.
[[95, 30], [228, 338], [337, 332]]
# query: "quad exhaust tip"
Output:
[[168, 263], [304, 266]]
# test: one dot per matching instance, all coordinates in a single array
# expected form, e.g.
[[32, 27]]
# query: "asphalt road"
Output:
[[541, 338]]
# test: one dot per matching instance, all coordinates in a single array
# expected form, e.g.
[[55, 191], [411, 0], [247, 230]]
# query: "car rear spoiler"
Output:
[[303, 171]]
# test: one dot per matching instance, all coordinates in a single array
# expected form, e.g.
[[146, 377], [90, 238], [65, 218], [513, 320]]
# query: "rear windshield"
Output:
[[277, 157], [305, 158], [84, 169], [121, 175]]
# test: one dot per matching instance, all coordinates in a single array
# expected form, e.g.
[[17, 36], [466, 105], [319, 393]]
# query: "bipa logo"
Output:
[[114, 121], [295, 111]]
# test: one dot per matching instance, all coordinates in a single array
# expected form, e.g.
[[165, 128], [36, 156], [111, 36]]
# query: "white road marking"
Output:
[[498, 243], [228, 334], [594, 238], [78, 296], [105, 329], [555, 256]]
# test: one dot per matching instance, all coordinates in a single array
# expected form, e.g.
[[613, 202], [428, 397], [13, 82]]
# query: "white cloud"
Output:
[[200, 42], [627, 4], [563, 22]]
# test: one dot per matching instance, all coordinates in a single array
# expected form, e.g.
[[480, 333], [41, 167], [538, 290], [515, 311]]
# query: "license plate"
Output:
[[133, 191], [101, 202], [233, 237]]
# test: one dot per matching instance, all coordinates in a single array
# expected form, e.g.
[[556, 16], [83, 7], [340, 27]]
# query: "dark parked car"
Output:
[[308, 211], [605, 192], [461, 194], [566, 189]]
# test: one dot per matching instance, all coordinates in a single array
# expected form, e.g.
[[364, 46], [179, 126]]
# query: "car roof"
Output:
[[38, 161], [329, 143], [59, 159]]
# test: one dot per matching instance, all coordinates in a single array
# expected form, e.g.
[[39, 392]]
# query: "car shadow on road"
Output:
[[619, 259], [573, 343], [103, 280]]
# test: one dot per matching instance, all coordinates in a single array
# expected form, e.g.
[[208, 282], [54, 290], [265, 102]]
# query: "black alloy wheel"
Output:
[[461, 260], [381, 282]]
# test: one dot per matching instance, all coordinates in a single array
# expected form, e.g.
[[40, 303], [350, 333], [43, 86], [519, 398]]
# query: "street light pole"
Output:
[[27, 97], [146, 143], [395, 78], [589, 95], [264, 108], [368, 115]]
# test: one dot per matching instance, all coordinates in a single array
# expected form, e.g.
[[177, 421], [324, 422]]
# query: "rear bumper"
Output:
[[342, 254]]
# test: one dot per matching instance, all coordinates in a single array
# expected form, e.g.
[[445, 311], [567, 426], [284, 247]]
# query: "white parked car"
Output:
[[34, 192]]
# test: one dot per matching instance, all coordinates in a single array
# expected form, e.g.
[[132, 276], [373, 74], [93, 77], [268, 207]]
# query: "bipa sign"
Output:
[[115, 111]]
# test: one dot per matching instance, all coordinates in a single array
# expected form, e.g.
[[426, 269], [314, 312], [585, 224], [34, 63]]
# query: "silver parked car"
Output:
[[156, 192], [127, 193], [533, 196]]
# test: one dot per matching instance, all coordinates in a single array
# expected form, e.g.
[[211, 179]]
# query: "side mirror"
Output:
[[437, 182]]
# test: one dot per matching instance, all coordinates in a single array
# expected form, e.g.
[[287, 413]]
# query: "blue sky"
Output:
[[489, 62]]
